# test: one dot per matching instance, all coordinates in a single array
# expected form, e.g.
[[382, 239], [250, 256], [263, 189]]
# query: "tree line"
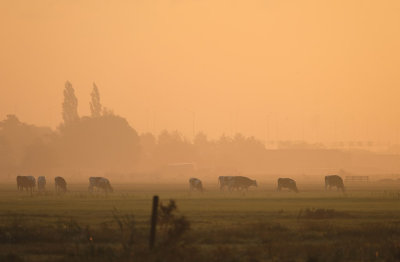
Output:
[[106, 142]]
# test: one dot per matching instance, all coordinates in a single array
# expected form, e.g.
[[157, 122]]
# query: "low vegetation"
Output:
[[322, 213], [199, 227]]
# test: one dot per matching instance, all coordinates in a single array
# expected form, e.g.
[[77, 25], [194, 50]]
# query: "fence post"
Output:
[[153, 222]]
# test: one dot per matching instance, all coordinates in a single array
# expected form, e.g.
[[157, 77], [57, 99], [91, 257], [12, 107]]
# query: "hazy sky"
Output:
[[318, 70]]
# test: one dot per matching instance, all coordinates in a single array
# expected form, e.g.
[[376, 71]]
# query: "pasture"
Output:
[[258, 225]]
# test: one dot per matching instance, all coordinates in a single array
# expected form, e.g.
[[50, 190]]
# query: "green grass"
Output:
[[258, 225]]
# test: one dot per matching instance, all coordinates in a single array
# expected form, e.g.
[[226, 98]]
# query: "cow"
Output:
[[224, 181], [101, 183], [287, 183], [241, 182], [195, 184], [334, 181], [27, 182], [60, 184], [41, 182], [20, 182]]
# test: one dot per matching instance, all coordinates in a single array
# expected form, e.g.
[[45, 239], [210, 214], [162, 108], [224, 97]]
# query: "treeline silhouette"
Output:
[[105, 143]]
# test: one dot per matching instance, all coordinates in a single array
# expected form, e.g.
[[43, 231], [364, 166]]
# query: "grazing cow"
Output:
[[224, 181], [334, 181], [27, 182], [195, 184], [287, 183], [101, 183], [20, 182], [60, 184], [241, 182], [41, 182]]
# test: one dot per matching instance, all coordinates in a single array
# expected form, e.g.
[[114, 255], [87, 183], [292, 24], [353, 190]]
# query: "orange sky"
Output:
[[318, 70]]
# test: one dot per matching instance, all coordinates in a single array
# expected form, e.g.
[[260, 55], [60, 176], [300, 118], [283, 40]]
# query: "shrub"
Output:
[[172, 226]]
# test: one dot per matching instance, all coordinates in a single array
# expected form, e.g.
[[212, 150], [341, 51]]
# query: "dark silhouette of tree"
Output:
[[16, 141], [148, 144], [40, 157], [204, 150], [172, 147], [200, 139], [70, 105], [7, 161], [95, 105], [10, 122], [103, 141], [20, 135], [107, 142]]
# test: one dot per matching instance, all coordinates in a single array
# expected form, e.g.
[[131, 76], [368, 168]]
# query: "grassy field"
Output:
[[258, 225]]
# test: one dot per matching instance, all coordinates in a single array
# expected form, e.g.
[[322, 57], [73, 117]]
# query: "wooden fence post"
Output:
[[153, 222]]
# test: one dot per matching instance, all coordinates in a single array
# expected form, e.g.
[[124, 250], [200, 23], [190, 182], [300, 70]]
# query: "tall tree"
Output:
[[70, 104], [95, 105]]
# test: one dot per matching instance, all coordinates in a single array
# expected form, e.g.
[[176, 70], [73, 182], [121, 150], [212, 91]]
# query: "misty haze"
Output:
[[199, 130]]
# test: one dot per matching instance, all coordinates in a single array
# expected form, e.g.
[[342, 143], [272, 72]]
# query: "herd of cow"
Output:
[[241, 182], [229, 182], [29, 183]]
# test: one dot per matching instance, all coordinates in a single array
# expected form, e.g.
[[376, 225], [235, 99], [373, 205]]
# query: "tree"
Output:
[[107, 142], [70, 105], [200, 140], [95, 105], [172, 147], [148, 144], [16, 138]]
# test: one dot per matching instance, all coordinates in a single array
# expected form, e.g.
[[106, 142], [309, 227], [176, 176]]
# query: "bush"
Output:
[[172, 226]]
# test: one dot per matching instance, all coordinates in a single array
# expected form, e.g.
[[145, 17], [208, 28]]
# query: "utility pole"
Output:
[[153, 225]]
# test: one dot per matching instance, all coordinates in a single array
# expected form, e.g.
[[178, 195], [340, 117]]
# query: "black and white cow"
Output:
[[240, 182], [101, 183], [60, 184], [26, 182], [195, 184], [41, 182], [287, 183], [334, 181], [223, 181], [20, 182]]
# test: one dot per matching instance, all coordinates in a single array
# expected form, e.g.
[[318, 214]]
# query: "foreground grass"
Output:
[[259, 225]]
